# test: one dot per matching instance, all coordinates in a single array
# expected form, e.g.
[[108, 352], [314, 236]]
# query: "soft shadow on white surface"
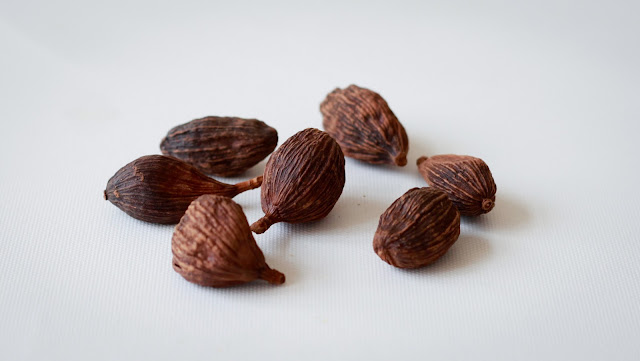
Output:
[[275, 251], [351, 211], [257, 286], [355, 209], [256, 170], [278, 254], [409, 171], [469, 250], [120, 219], [509, 213], [418, 147]]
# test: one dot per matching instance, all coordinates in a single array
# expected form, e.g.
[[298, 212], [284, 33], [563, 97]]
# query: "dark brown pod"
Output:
[[417, 229], [213, 246], [158, 189], [303, 180], [466, 180], [362, 123], [223, 146]]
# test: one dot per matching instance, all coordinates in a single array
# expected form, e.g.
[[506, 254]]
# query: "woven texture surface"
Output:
[[545, 92]]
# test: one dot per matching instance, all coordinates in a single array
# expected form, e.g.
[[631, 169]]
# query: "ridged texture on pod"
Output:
[[213, 246], [417, 229], [362, 123], [223, 146], [303, 180], [467, 180], [158, 189]]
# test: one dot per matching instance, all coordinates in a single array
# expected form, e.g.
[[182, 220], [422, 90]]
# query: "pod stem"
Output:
[[261, 225], [272, 276], [250, 184], [487, 205], [420, 160]]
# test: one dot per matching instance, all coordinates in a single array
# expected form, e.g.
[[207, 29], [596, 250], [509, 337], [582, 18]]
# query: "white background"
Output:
[[546, 92]]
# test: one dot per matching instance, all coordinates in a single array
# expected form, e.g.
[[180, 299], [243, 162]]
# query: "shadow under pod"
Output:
[[256, 170], [352, 211], [276, 261], [417, 149], [468, 250], [256, 285], [507, 213]]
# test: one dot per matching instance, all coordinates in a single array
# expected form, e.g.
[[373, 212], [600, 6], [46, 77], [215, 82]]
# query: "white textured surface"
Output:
[[547, 92]]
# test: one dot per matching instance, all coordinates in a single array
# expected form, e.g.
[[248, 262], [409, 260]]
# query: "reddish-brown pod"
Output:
[[223, 146], [213, 246], [158, 189], [303, 180], [362, 123], [466, 180], [417, 229]]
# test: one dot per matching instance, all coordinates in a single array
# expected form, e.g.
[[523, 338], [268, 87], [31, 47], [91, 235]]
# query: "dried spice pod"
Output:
[[213, 246], [223, 146], [417, 229], [303, 180], [158, 189], [466, 180], [362, 123]]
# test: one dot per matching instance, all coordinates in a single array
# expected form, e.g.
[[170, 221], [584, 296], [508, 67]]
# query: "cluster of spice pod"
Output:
[[213, 245]]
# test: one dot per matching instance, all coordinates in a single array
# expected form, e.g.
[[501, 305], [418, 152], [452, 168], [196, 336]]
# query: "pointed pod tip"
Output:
[[105, 195], [401, 160], [420, 160], [164, 145], [261, 225], [384, 254], [272, 276]]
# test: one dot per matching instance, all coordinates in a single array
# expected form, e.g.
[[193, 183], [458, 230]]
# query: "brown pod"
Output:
[[158, 189], [213, 246], [466, 180], [362, 123], [223, 146], [417, 229], [303, 180]]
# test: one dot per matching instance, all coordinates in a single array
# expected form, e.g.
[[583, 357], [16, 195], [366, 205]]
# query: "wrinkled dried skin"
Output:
[[417, 229], [466, 180], [213, 246], [223, 146], [303, 180], [158, 189], [362, 123]]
